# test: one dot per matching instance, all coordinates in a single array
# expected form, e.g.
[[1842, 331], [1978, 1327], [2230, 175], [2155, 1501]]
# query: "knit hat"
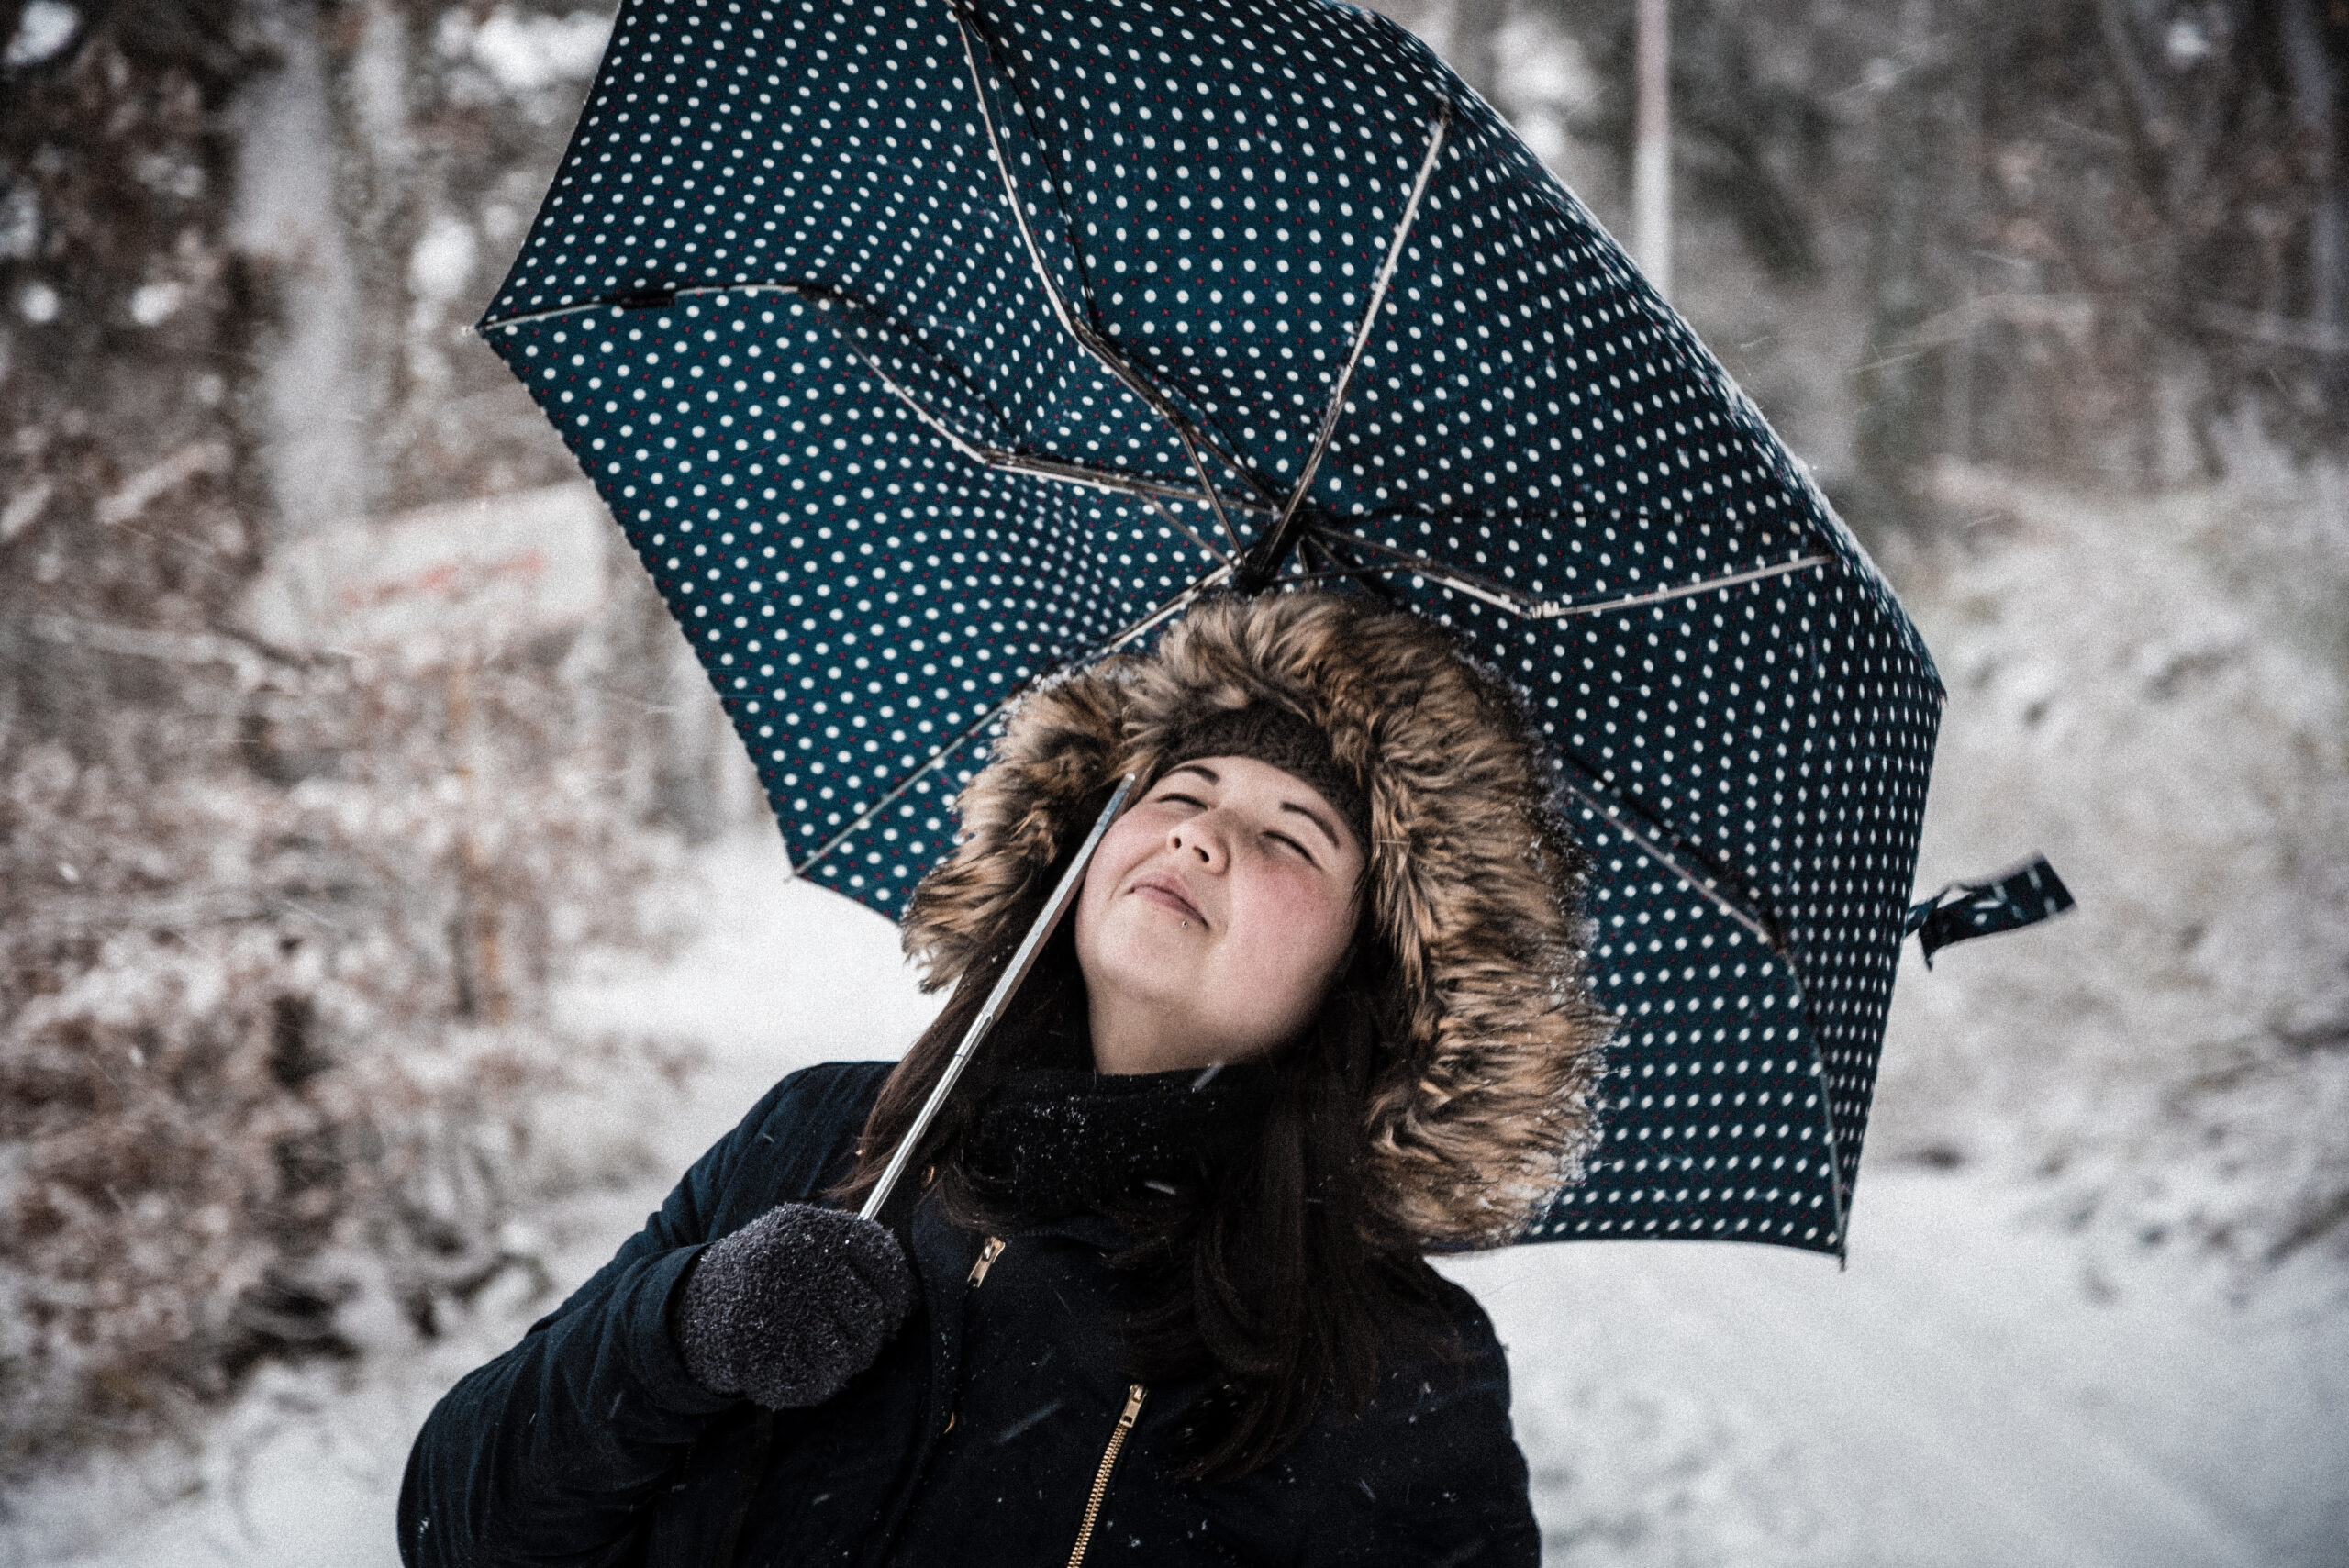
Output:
[[1277, 736], [1473, 883]]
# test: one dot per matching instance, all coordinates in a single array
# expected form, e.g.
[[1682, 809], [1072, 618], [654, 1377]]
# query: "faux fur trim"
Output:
[[1475, 880]]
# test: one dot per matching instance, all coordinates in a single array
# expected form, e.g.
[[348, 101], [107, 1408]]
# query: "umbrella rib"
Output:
[[1707, 885], [1360, 574], [1022, 462], [991, 457], [1189, 435], [1710, 888], [549, 314], [937, 760], [1184, 528], [1132, 630], [985, 457], [1827, 1122], [1331, 415], [1341, 570], [1541, 609], [1167, 611]]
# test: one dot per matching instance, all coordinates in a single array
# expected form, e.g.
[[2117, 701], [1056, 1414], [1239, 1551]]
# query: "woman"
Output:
[[1159, 1296]]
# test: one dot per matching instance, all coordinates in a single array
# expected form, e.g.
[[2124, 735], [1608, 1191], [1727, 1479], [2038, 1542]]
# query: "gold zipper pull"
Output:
[[1126, 1419], [987, 1255]]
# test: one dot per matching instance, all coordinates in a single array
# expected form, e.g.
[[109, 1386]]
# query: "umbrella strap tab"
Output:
[[1964, 910]]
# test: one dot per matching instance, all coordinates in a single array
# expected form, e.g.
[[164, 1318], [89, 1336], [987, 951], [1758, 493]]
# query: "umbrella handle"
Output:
[[1022, 963]]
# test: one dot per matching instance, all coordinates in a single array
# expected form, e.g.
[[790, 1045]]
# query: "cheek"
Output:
[[1295, 933], [1124, 847]]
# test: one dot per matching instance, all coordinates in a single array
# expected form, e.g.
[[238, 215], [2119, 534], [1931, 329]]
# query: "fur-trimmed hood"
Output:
[[1473, 881]]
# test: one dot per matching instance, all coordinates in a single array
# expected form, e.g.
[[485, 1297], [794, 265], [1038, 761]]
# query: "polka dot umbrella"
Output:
[[924, 348]]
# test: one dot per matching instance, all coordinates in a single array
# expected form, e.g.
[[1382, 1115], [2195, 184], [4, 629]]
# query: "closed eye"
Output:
[[1292, 843]]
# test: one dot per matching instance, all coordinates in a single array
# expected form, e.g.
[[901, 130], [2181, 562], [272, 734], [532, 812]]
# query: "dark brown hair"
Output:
[[1280, 1277]]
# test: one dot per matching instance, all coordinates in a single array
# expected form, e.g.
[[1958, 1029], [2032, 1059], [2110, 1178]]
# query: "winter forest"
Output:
[[366, 974]]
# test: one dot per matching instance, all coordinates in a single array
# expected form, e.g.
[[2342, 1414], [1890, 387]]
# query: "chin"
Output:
[[1135, 951]]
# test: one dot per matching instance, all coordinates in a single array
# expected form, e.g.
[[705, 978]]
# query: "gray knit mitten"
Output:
[[786, 1310]]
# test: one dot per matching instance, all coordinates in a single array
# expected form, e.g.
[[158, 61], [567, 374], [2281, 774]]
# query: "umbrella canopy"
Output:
[[925, 348]]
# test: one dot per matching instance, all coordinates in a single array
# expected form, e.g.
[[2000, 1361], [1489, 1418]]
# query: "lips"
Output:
[[1168, 894]]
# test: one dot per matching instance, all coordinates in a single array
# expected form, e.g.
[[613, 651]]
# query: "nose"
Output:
[[1201, 835]]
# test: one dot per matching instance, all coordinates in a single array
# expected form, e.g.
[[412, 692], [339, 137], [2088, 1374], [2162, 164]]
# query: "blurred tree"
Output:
[[254, 1074], [1897, 386], [2077, 239]]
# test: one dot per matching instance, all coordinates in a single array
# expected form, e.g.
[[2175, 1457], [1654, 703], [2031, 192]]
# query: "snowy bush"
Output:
[[277, 1069], [277, 936], [2155, 691]]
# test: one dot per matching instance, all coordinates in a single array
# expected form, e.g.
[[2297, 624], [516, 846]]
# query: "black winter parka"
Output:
[[987, 1432]]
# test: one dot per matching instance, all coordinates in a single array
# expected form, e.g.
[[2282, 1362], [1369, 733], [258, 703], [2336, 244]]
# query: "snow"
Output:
[[43, 29], [443, 262], [19, 225], [24, 507], [152, 305], [1980, 1388], [525, 53], [2155, 692], [1965, 1394]]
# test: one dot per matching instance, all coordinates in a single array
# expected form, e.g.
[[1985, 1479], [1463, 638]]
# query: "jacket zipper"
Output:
[[1101, 1477], [1126, 1419], [987, 1255]]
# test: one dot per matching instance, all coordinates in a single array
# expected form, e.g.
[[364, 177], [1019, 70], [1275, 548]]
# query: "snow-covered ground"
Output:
[[1975, 1390]]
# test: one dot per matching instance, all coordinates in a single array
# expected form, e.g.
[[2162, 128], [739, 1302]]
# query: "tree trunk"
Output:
[[2314, 84], [1651, 147], [1895, 375]]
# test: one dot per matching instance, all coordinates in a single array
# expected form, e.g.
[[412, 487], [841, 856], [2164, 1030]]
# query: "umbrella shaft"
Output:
[[1017, 971]]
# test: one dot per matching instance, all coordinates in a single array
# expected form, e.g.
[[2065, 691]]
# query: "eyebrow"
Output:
[[1315, 818]]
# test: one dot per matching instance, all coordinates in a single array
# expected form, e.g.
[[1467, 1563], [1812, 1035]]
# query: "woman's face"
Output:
[[1214, 916]]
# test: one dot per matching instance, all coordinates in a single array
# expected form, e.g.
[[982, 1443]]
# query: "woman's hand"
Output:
[[786, 1310]]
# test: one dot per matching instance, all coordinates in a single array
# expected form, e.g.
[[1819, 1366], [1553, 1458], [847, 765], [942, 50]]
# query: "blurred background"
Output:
[[387, 913]]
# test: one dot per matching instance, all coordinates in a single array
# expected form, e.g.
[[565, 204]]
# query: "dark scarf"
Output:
[[1053, 1141]]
